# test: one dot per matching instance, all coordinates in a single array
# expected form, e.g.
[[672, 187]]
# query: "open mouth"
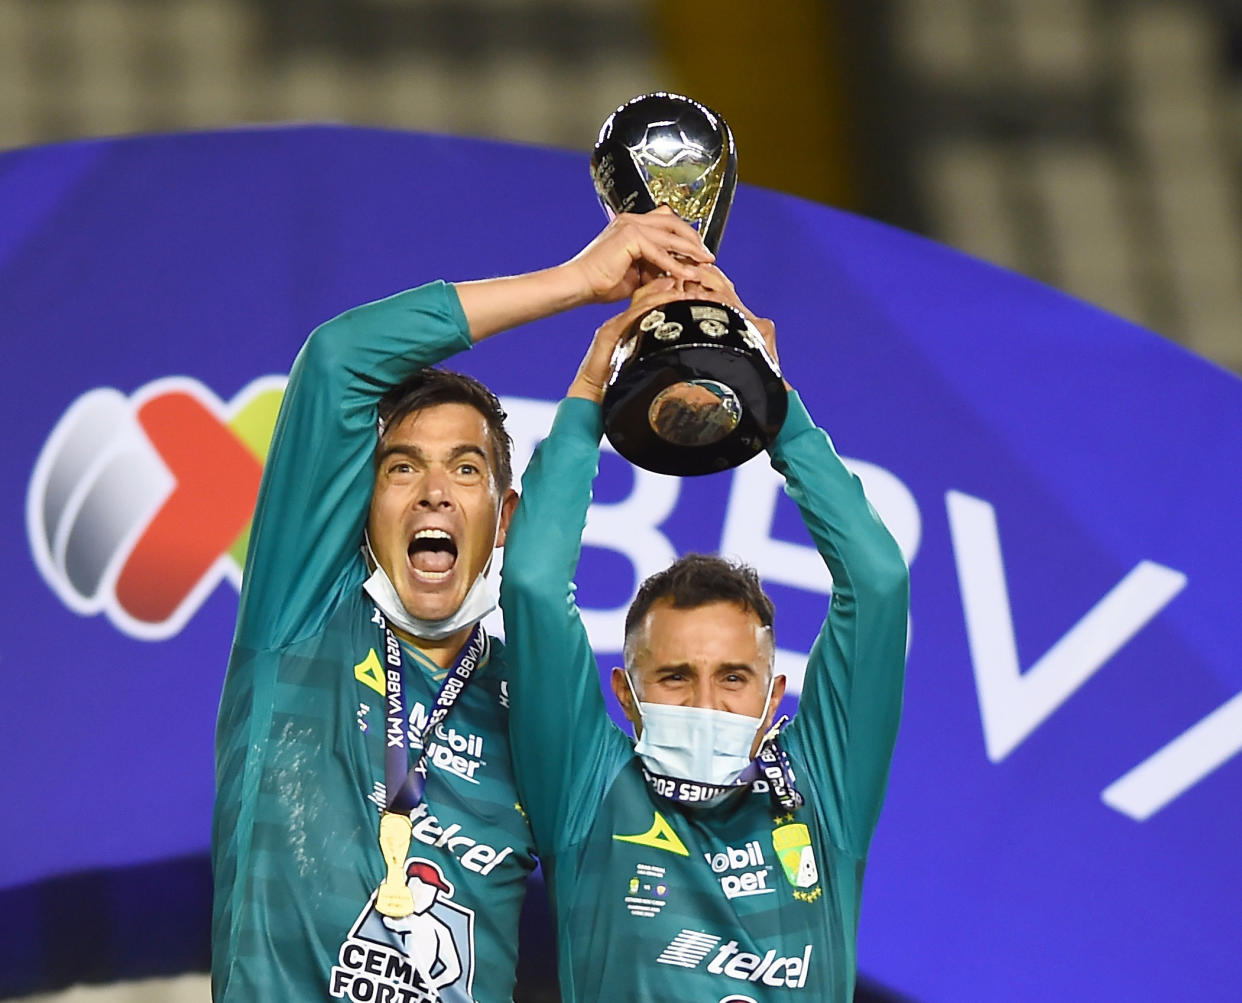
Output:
[[432, 553]]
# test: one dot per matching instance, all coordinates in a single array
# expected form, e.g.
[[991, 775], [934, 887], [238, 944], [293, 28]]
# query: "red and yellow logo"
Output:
[[140, 505]]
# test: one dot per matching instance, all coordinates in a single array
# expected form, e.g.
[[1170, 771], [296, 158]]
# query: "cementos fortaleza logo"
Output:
[[140, 505]]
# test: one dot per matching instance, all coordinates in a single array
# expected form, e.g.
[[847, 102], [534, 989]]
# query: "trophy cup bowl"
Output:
[[693, 389]]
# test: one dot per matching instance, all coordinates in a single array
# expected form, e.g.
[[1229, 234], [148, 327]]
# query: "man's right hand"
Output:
[[596, 365], [634, 249], [630, 252]]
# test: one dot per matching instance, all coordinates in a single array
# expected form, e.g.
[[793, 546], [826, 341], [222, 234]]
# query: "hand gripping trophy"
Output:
[[693, 388]]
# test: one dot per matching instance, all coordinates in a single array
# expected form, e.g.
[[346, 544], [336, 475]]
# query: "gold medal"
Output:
[[394, 897]]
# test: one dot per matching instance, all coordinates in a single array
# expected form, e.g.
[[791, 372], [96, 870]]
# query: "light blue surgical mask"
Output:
[[480, 600], [696, 743]]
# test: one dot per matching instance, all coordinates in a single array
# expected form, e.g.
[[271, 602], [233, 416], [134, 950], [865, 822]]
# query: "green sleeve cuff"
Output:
[[797, 421], [579, 418], [452, 304]]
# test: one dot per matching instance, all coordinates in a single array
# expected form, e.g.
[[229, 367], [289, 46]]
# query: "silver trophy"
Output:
[[693, 388]]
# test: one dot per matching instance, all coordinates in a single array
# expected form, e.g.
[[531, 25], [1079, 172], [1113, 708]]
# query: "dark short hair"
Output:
[[696, 580], [429, 387]]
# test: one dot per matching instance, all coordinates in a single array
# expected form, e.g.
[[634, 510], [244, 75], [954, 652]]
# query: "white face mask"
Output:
[[480, 600], [696, 743]]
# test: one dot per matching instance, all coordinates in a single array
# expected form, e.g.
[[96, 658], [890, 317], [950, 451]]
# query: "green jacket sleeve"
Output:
[[318, 477], [565, 748], [850, 705]]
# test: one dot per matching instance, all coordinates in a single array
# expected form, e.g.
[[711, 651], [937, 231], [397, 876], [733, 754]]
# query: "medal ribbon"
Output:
[[403, 783], [771, 765]]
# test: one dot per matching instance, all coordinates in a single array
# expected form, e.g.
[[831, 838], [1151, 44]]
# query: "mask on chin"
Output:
[[696, 743], [480, 600]]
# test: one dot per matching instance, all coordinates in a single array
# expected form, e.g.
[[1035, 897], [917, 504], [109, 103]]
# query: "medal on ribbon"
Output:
[[404, 784]]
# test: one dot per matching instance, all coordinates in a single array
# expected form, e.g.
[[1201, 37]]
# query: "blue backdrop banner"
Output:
[[1064, 485]]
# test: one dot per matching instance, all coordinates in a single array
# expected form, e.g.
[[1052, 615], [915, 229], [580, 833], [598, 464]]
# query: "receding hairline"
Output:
[[490, 451], [431, 387], [636, 640]]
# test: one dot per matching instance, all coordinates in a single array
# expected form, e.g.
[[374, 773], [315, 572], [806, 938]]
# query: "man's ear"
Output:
[[507, 504], [778, 694], [621, 690]]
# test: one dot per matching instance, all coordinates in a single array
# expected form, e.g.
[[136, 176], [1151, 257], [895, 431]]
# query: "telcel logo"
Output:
[[138, 506], [690, 947], [770, 969], [474, 856], [749, 859]]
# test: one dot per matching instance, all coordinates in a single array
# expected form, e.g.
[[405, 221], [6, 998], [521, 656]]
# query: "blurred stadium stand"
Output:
[[1092, 144]]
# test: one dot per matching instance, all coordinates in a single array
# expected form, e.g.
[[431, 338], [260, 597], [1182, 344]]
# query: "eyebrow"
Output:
[[672, 667], [722, 667], [736, 667], [402, 449], [414, 453]]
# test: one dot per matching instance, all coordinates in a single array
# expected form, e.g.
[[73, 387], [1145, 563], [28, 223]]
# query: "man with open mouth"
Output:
[[362, 738]]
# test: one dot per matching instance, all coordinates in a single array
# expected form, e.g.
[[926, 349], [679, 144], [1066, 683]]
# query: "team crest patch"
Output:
[[426, 957], [792, 843]]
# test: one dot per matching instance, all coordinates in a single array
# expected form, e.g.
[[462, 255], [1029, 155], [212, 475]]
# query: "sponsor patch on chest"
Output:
[[741, 871], [425, 957]]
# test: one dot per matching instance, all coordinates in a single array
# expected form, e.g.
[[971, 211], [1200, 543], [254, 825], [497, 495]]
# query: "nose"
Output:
[[433, 490], [702, 697]]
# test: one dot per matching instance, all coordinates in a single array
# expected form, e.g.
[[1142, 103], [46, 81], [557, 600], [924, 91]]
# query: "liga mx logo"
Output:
[[139, 506]]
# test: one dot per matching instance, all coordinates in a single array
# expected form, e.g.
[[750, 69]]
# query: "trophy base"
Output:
[[693, 391]]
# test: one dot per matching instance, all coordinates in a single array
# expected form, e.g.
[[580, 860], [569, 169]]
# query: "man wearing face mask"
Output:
[[364, 791], [719, 857]]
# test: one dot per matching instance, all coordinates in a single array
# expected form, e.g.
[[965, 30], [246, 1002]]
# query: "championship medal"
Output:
[[394, 898]]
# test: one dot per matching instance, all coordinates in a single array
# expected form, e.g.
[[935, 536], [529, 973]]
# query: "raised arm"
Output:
[[303, 552], [313, 497], [851, 699], [563, 743], [565, 747], [850, 704]]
